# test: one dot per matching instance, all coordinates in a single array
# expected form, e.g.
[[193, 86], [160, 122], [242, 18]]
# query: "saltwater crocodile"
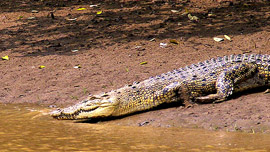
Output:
[[213, 80]]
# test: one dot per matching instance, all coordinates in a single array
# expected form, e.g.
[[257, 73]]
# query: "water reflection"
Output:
[[25, 128]]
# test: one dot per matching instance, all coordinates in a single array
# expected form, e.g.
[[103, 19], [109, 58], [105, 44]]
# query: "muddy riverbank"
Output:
[[59, 53]]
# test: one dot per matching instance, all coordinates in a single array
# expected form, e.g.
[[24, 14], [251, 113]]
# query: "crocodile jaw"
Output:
[[89, 108]]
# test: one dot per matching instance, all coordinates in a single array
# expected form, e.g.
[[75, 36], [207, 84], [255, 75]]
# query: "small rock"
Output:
[[163, 45]]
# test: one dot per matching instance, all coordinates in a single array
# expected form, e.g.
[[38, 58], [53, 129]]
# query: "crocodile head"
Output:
[[93, 107]]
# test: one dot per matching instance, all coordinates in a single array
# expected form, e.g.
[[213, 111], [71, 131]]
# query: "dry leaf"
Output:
[[5, 58], [174, 11], [192, 18], [74, 50], [80, 9], [41, 67], [217, 39], [174, 41], [142, 63], [34, 11], [138, 47], [186, 10], [72, 19], [210, 15], [77, 66], [93, 5], [227, 37], [99, 12], [267, 91], [31, 18], [153, 39]]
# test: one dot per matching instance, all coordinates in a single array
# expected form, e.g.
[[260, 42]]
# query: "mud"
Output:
[[111, 46]]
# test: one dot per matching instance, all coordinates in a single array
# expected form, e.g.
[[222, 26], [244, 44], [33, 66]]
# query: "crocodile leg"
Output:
[[227, 81]]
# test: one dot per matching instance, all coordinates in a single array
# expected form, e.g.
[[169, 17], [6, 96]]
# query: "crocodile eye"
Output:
[[105, 95], [91, 98]]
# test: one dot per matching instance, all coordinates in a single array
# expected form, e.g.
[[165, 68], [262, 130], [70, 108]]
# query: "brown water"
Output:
[[28, 128]]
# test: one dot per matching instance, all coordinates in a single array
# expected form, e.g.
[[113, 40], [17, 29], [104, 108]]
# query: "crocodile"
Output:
[[213, 80]]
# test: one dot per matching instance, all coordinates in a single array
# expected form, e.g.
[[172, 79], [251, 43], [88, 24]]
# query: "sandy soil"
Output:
[[111, 46]]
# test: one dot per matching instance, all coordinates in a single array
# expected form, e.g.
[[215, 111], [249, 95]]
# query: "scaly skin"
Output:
[[210, 81]]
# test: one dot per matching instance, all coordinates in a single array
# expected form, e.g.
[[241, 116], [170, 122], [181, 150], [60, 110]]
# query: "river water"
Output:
[[29, 128]]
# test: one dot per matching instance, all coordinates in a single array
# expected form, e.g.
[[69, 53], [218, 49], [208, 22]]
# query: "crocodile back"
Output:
[[199, 70]]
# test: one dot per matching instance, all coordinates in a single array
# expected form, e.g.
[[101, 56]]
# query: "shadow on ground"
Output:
[[122, 22]]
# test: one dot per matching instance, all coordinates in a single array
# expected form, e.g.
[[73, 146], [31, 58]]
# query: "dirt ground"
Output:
[[109, 46]]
